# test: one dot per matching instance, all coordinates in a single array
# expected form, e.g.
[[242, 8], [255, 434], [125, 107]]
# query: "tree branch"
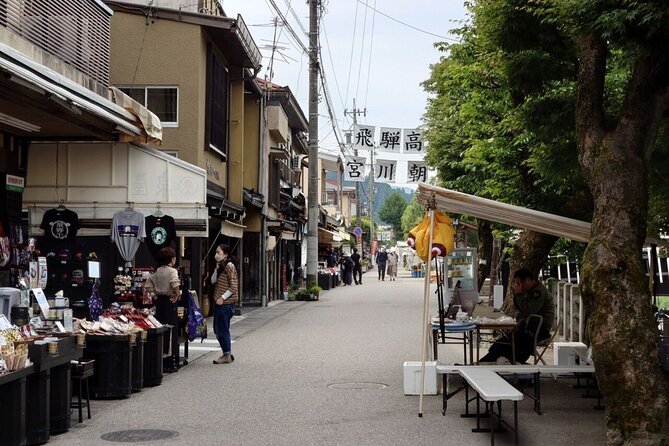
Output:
[[647, 98], [590, 117]]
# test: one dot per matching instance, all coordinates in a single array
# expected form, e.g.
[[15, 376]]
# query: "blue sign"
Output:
[[357, 231]]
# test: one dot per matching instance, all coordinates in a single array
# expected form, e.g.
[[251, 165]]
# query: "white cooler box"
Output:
[[412, 378], [565, 353]]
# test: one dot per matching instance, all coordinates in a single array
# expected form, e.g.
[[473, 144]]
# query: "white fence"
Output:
[[569, 309]]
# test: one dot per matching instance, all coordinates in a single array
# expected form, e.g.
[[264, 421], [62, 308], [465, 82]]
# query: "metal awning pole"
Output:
[[426, 316]]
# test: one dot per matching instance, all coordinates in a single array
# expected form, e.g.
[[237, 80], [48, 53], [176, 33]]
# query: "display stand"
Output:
[[153, 356], [113, 365], [138, 364], [13, 406], [48, 393]]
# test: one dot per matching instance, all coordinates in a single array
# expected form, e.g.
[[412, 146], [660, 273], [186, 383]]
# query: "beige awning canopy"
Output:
[[452, 201], [231, 229], [458, 202]]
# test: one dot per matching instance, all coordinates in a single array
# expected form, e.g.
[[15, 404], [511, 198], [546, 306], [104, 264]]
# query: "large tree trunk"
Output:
[[614, 287], [530, 252]]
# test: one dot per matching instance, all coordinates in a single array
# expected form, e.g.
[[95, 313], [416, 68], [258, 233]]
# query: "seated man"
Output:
[[529, 297]]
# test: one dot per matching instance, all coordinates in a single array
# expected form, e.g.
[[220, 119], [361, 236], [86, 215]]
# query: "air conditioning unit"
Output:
[[295, 162]]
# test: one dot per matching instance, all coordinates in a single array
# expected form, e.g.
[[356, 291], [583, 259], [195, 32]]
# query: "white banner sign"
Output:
[[390, 140], [416, 172], [385, 171], [363, 137], [354, 168], [412, 141]]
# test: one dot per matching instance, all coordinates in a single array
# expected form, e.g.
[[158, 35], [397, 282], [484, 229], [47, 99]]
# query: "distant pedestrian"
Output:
[[381, 259], [393, 260], [347, 269], [357, 267], [226, 294]]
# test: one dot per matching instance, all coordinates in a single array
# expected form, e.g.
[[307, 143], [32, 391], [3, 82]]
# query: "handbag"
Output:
[[197, 324]]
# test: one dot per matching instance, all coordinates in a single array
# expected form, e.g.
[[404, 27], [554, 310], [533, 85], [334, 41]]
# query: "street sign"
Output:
[[357, 231]]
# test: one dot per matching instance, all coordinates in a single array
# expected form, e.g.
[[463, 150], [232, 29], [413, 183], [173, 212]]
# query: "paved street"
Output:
[[278, 389]]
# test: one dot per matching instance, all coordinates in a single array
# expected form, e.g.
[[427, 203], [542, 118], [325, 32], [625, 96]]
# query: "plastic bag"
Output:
[[197, 324]]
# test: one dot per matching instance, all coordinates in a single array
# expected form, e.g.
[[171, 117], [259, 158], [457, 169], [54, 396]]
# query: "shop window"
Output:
[[163, 101]]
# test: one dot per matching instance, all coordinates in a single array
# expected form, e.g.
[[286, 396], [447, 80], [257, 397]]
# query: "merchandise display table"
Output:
[[13, 406], [153, 356], [48, 391], [113, 365]]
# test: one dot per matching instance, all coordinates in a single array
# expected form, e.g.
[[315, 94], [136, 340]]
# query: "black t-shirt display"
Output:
[[60, 225], [160, 232]]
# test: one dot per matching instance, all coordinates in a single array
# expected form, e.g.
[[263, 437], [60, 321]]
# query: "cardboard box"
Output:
[[412, 378]]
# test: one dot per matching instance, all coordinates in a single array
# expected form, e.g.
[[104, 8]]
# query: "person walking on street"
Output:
[[357, 267], [381, 259], [165, 284], [347, 269], [226, 294], [393, 260]]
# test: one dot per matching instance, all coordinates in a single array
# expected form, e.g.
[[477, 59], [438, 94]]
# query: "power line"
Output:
[[406, 24], [369, 63], [350, 63], [362, 51], [334, 72]]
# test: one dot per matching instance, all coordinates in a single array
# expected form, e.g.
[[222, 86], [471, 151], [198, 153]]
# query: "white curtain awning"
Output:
[[452, 201], [232, 229], [326, 236]]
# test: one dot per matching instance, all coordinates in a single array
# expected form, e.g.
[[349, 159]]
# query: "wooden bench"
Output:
[[491, 388]]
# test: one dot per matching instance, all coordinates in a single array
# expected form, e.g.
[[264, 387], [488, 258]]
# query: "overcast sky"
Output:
[[367, 55]]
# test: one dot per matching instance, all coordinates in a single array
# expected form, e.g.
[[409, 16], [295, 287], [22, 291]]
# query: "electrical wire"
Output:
[[369, 63], [350, 63], [362, 51], [406, 24], [334, 72]]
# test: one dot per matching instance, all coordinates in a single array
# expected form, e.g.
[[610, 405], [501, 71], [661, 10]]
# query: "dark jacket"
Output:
[[382, 257]]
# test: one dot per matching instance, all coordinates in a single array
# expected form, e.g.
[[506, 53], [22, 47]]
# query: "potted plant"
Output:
[[314, 291]]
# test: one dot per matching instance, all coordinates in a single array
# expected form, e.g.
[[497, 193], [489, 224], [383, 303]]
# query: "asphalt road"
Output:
[[284, 386]]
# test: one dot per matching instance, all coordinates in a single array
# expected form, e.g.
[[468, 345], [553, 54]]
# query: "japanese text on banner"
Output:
[[412, 141], [385, 171], [363, 137], [355, 168], [390, 140], [416, 172]]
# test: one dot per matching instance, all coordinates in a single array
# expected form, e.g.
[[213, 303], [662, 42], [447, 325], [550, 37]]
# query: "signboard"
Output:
[[41, 301], [14, 183], [357, 231], [354, 169]]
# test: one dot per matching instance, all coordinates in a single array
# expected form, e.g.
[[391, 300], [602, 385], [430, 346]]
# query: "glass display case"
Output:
[[462, 267]]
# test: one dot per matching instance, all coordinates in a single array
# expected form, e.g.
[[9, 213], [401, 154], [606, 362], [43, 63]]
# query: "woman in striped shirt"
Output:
[[226, 294]]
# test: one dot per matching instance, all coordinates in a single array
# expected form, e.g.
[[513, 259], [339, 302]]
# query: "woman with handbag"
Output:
[[165, 283], [226, 294]]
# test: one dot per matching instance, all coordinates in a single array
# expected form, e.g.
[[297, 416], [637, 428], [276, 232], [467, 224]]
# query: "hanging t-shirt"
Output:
[[127, 231], [60, 225], [161, 233]]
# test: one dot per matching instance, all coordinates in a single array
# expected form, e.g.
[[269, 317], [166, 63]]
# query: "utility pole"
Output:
[[371, 200], [312, 222], [355, 112]]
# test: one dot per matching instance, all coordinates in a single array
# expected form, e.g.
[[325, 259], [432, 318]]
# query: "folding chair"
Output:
[[544, 344]]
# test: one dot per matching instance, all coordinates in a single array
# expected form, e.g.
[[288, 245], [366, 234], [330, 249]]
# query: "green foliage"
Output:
[[391, 211], [365, 224], [412, 215]]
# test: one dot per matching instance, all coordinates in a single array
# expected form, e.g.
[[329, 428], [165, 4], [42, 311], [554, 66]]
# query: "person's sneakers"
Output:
[[226, 358], [502, 360]]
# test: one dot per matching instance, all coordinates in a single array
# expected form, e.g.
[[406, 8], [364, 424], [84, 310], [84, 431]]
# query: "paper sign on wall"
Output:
[[41, 301], [43, 272]]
